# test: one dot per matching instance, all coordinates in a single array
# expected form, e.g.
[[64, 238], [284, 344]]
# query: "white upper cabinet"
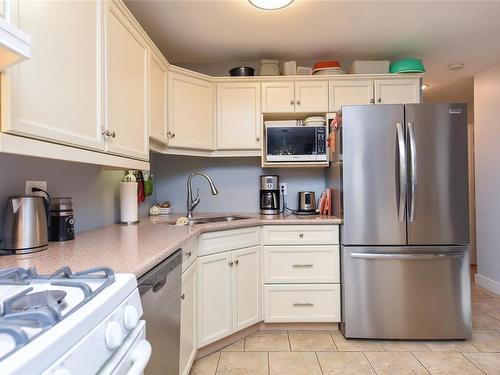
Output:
[[289, 96], [126, 86], [349, 92], [190, 111], [56, 95], [247, 287], [157, 98], [311, 96], [397, 91], [238, 116], [278, 96]]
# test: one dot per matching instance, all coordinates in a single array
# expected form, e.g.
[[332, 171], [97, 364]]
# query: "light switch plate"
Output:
[[28, 185]]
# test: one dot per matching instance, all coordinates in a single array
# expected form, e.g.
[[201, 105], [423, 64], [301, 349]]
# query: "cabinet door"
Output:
[[311, 96], [397, 91], [214, 298], [278, 97], [238, 116], [56, 94], [188, 320], [349, 92], [126, 87], [247, 287], [157, 98], [190, 112]]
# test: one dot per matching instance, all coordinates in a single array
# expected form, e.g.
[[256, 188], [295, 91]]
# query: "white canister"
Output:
[[128, 202]]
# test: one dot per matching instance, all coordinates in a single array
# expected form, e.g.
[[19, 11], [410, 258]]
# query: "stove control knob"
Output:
[[114, 335], [130, 317]]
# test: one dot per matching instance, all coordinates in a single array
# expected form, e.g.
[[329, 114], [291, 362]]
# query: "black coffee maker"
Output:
[[62, 221], [269, 195]]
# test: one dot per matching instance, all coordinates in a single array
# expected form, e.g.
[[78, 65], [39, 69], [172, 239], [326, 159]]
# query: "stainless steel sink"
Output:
[[218, 219]]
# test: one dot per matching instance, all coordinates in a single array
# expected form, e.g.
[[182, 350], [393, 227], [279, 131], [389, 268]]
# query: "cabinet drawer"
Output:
[[302, 303], [189, 253], [215, 242], [301, 264], [300, 234]]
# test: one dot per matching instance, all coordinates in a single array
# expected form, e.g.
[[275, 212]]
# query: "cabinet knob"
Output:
[[188, 253], [292, 101], [372, 101], [257, 139], [236, 261], [298, 102], [301, 235], [183, 296], [171, 134], [230, 264], [379, 100], [112, 134]]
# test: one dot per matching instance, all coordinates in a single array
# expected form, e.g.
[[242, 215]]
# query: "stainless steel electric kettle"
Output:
[[25, 225]]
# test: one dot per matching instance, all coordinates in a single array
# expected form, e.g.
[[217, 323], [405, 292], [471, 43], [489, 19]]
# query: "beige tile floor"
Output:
[[329, 353]]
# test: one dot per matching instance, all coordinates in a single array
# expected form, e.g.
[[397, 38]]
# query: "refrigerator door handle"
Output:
[[402, 183], [408, 256], [413, 169]]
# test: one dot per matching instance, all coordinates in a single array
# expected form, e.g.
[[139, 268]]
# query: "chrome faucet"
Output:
[[192, 203]]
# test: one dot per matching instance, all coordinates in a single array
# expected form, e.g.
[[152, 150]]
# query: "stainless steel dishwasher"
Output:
[[160, 291]]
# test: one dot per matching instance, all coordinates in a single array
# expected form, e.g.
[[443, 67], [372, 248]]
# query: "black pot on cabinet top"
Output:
[[241, 71]]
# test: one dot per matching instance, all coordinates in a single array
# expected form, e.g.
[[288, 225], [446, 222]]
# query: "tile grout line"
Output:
[[369, 362], [289, 343], [268, 365], [218, 362], [473, 364], [319, 363], [419, 361], [334, 343]]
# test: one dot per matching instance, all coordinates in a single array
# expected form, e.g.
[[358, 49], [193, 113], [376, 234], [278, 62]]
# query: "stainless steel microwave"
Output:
[[295, 143]]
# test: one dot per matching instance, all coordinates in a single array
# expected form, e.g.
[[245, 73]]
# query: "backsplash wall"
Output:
[[95, 191], [237, 180]]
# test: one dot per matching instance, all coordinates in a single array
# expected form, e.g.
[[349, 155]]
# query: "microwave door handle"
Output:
[[401, 181]]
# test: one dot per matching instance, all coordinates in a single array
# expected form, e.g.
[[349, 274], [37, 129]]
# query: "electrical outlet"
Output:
[[283, 188], [28, 185]]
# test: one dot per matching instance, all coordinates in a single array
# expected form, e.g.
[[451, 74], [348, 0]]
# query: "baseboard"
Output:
[[486, 283], [298, 326]]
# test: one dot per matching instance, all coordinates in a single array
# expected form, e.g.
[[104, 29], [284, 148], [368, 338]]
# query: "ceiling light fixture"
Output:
[[270, 4], [456, 66], [425, 86]]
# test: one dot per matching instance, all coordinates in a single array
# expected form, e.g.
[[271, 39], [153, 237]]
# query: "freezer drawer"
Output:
[[406, 292]]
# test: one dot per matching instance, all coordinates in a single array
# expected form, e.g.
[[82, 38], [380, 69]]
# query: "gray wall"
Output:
[[487, 163], [237, 180], [95, 192]]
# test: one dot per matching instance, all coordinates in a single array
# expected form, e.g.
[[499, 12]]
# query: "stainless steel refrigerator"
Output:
[[403, 180]]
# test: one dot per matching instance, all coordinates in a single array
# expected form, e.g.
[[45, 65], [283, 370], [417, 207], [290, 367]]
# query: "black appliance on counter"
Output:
[[62, 221]]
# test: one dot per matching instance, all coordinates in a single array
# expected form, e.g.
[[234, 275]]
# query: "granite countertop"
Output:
[[137, 248]]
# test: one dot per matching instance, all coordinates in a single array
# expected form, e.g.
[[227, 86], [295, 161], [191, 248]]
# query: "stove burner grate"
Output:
[[34, 301]]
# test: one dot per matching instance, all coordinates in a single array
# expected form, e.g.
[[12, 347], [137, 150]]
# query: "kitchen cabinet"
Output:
[[157, 98], [126, 86], [397, 91], [229, 293], [238, 116], [188, 320], [247, 287], [349, 92], [214, 298], [190, 111], [56, 94], [300, 96]]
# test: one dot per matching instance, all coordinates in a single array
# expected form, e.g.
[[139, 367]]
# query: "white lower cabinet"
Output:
[[302, 303], [188, 320], [229, 293]]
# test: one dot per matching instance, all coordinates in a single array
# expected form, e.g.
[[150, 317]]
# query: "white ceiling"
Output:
[[439, 32]]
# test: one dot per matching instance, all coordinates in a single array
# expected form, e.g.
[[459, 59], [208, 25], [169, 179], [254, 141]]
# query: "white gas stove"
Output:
[[71, 323]]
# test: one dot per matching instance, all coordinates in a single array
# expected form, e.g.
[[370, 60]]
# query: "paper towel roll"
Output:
[[128, 202]]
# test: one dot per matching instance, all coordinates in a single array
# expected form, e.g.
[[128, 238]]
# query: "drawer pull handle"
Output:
[[302, 266], [301, 235], [303, 304], [188, 253], [230, 264]]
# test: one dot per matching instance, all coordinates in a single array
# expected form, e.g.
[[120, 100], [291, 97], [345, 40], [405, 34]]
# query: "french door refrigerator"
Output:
[[405, 233]]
